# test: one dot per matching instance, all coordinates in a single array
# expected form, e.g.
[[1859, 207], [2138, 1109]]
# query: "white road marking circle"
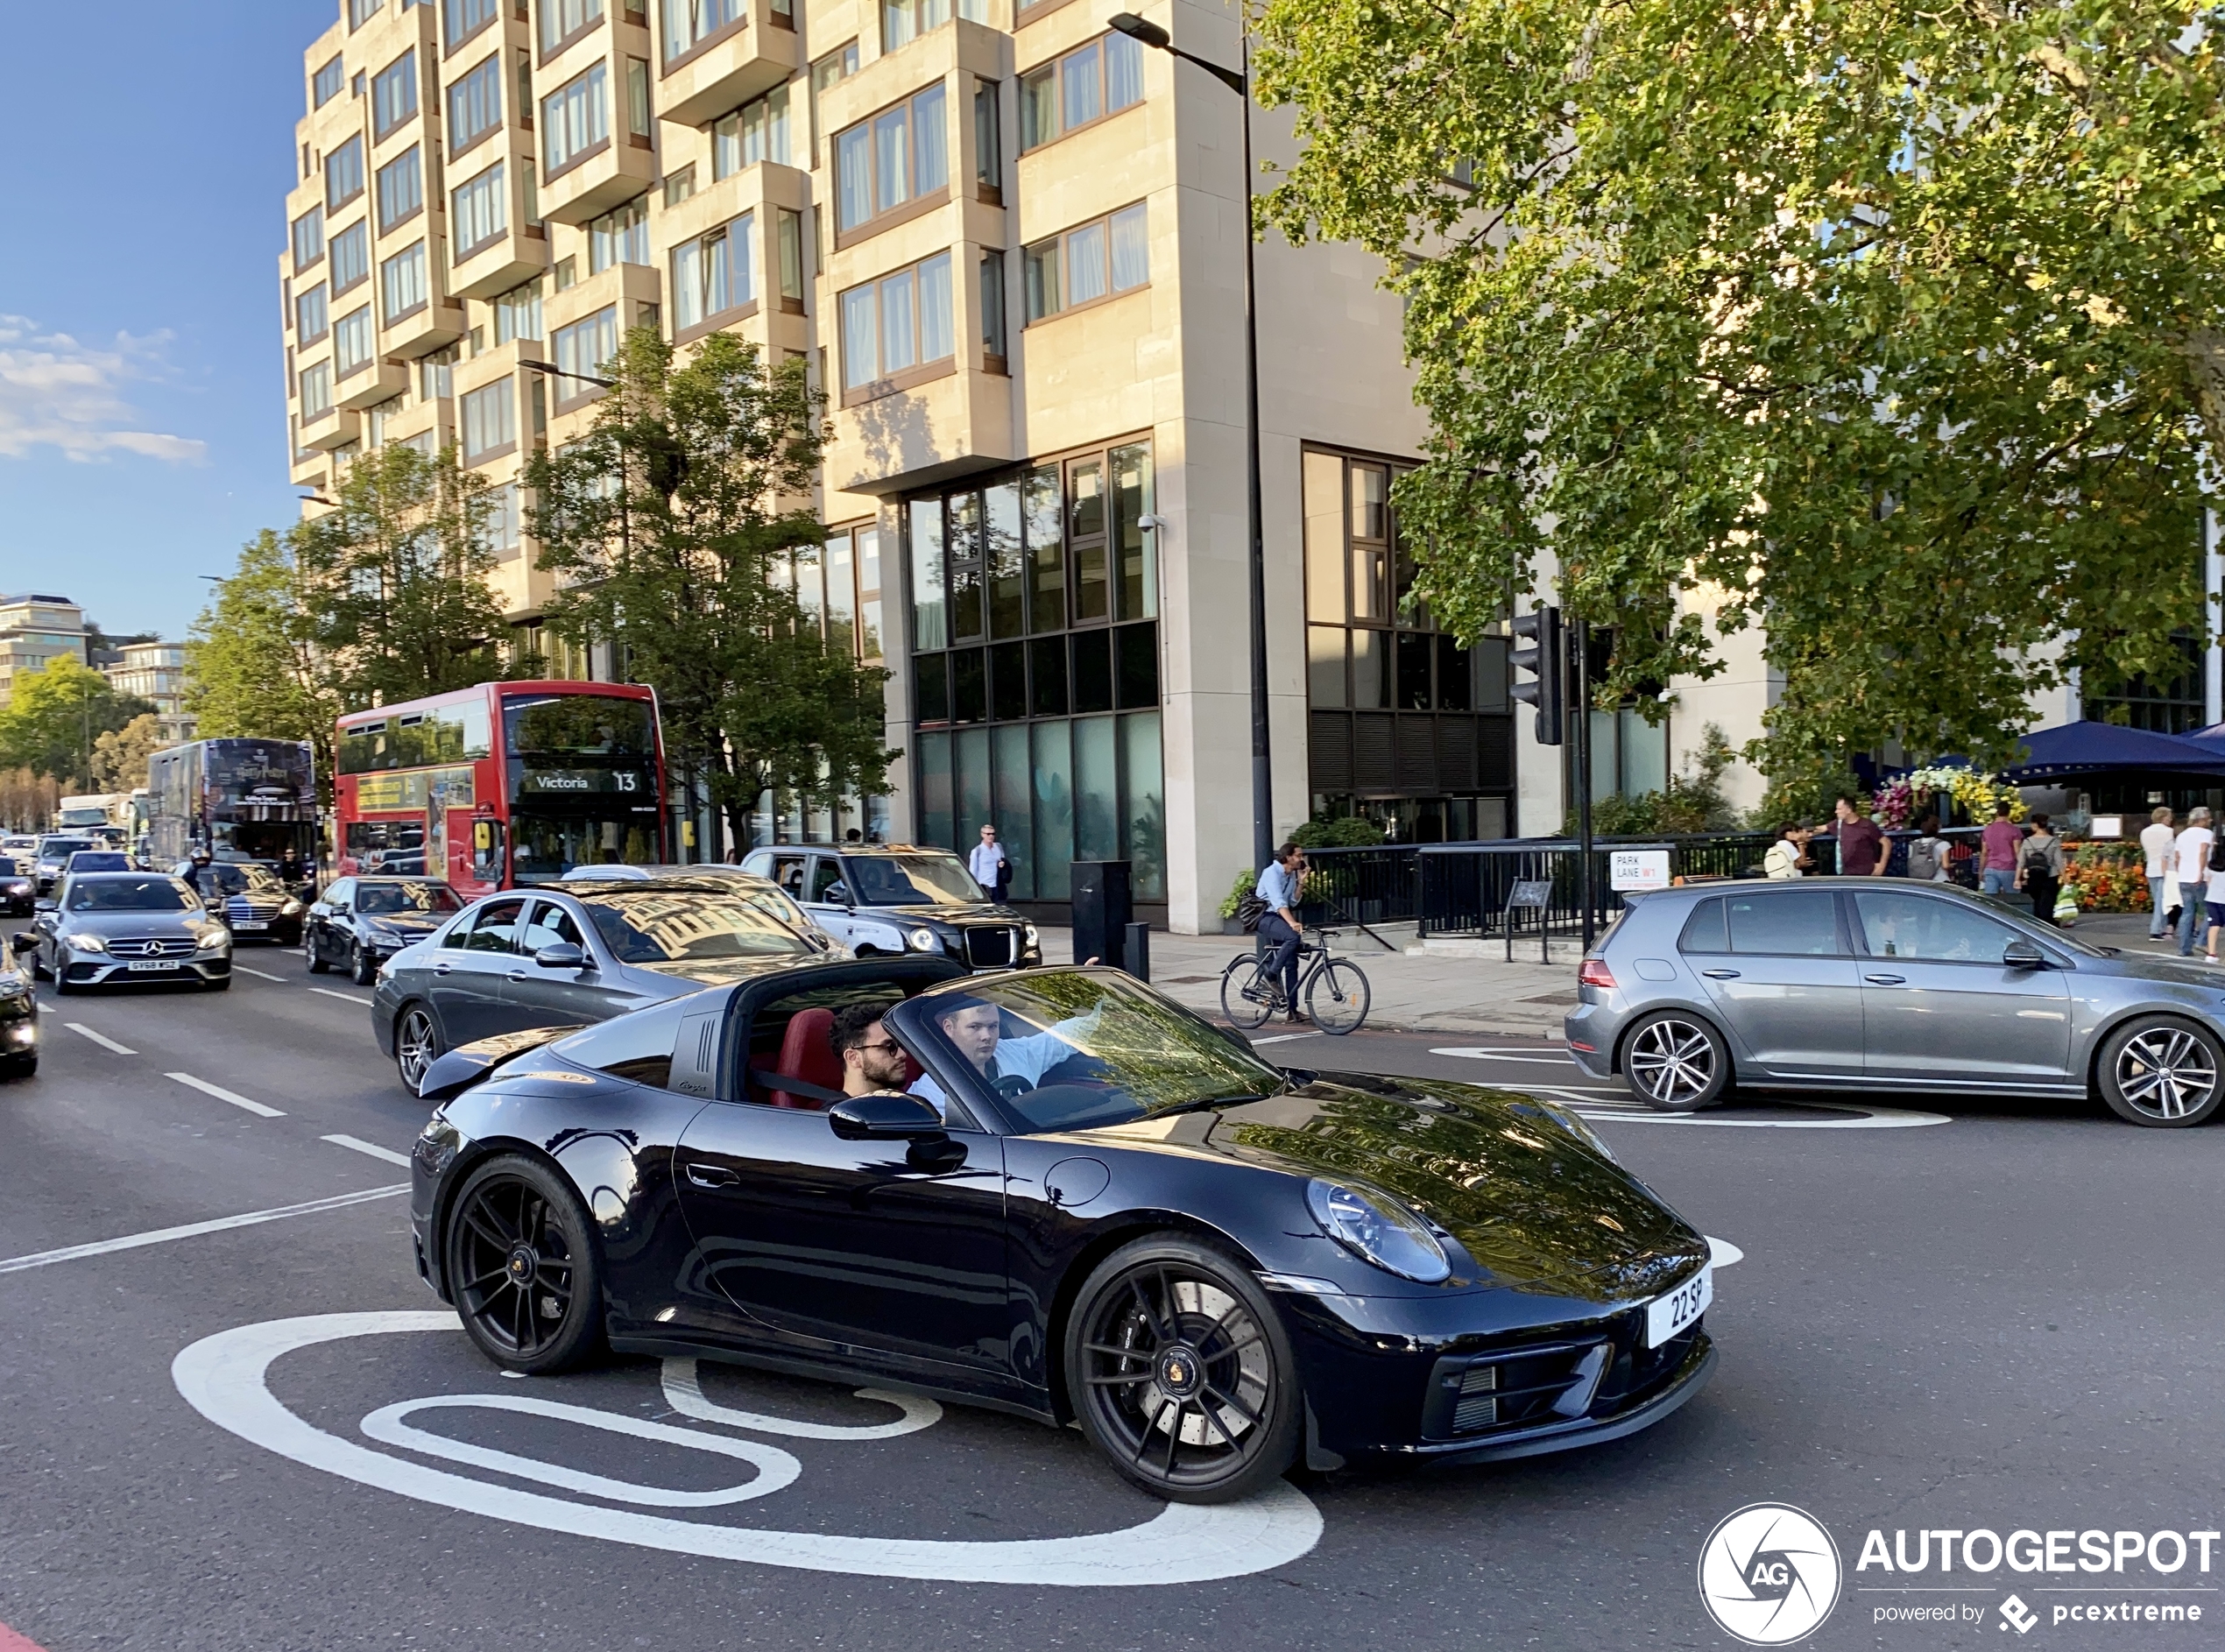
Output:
[[1722, 1252], [1862, 1117], [224, 1378], [683, 1392]]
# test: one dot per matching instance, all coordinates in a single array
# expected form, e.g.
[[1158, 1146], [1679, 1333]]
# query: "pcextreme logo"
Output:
[[1768, 1574]]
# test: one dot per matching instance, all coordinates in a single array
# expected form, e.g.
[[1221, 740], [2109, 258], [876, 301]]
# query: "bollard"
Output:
[[1137, 951]]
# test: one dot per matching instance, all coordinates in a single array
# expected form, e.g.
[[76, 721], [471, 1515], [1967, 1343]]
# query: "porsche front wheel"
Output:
[[522, 1267], [1180, 1373]]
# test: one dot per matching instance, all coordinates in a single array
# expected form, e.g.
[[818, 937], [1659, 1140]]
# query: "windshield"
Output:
[[229, 878], [657, 927], [910, 880], [1070, 1051], [130, 894], [549, 848], [7, 868], [373, 898], [98, 860], [55, 848]]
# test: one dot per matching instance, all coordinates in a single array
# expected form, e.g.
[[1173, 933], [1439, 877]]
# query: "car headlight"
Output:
[[1034, 939], [291, 909], [84, 943], [923, 939], [1576, 1126], [1378, 1229], [212, 939]]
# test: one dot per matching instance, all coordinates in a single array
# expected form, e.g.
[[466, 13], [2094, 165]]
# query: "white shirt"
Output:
[[983, 863], [1026, 1059], [2157, 841], [2215, 893], [2194, 853]]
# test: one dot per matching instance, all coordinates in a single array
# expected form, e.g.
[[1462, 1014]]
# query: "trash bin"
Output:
[[1102, 911]]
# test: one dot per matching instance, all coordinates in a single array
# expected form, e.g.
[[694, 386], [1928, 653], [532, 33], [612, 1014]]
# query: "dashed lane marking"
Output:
[[260, 975], [357, 1145], [223, 1094], [101, 1038], [345, 997], [193, 1230]]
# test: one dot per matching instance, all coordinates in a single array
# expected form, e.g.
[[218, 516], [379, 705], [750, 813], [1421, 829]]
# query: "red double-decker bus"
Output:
[[503, 784]]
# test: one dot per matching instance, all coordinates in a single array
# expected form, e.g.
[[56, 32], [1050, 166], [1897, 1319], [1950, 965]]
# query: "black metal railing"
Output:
[[1378, 884]]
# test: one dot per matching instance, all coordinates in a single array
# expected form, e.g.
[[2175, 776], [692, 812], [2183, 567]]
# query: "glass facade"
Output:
[[1404, 725], [1033, 613]]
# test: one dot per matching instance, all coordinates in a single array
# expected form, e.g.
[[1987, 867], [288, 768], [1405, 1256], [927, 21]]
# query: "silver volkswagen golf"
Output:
[[1874, 984]]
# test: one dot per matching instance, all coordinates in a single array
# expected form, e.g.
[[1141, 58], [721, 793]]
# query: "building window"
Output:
[[435, 377], [309, 316], [489, 420], [897, 325], [325, 84], [400, 189], [903, 21], [688, 24], [575, 119], [992, 306], [317, 392], [1089, 262], [790, 228], [362, 12], [352, 342], [516, 313], [309, 239], [757, 132], [343, 174], [394, 95], [713, 273], [637, 98], [620, 236], [464, 19], [899, 155], [680, 185], [475, 105], [838, 65], [586, 347], [401, 283], [480, 216], [1102, 78], [350, 256], [561, 21], [499, 532], [988, 139]]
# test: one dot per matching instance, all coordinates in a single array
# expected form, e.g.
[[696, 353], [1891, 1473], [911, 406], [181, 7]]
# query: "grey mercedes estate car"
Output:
[[1877, 983]]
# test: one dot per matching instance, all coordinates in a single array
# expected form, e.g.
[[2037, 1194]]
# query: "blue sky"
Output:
[[142, 395]]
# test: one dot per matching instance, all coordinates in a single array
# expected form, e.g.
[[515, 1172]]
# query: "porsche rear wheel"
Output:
[[522, 1268], [1180, 1372]]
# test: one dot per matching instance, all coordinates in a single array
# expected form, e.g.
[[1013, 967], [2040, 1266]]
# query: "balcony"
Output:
[[623, 289], [423, 330], [334, 429], [515, 254], [382, 381], [621, 163], [754, 54]]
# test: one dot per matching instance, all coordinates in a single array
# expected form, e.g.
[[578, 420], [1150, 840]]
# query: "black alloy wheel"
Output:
[[417, 1045], [522, 1267], [2162, 1072], [314, 958], [363, 968], [1676, 1063], [1180, 1372]]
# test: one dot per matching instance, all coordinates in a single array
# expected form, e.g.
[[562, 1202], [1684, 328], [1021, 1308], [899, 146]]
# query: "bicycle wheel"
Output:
[[1336, 997], [1245, 992]]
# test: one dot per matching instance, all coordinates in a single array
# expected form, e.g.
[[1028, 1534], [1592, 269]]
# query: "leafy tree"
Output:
[[1898, 330], [27, 801], [120, 756], [56, 713], [393, 584], [663, 527], [253, 668]]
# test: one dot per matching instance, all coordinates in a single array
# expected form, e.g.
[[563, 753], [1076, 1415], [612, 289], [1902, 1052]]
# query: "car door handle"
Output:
[[517, 975], [442, 969], [712, 1175], [1720, 975], [1885, 980]]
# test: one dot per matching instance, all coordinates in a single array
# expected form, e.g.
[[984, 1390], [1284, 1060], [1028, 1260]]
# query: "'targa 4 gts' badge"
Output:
[[1768, 1574]]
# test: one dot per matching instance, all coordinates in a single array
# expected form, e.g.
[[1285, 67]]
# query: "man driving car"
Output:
[[1009, 1066]]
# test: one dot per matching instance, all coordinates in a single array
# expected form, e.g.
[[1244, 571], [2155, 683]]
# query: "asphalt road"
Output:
[[2003, 1319]]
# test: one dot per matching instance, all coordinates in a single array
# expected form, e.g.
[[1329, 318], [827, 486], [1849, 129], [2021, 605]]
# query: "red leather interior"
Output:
[[805, 1055]]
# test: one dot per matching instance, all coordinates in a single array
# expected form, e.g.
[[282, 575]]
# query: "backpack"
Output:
[[1249, 911], [1925, 854]]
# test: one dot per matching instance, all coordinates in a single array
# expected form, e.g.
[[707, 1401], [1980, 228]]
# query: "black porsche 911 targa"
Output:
[[1083, 1202]]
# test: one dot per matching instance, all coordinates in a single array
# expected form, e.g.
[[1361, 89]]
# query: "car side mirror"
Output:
[[2024, 955], [562, 955], [885, 1118], [838, 894], [45, 903]]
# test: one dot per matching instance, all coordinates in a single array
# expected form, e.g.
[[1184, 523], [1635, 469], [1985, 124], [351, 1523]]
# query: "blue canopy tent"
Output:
[[2087, 747]]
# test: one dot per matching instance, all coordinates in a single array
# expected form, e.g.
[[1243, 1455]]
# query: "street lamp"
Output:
[[1238, 82], [585, 378]]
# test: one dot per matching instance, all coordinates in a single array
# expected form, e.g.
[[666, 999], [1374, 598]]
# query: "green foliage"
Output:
[[253, 668], [1693, 801], [56, 716], [1347, 831], [120, 756], [1894, 328], [1247, 880], [665, 527]]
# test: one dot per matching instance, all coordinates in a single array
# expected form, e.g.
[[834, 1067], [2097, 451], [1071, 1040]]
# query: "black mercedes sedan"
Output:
[[893, 898], [17, 892], [1081, 1203], [250, 898], [357, 923], [566, 954]]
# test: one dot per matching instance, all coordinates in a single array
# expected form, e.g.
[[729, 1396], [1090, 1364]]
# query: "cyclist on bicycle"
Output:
[[1279, 931]]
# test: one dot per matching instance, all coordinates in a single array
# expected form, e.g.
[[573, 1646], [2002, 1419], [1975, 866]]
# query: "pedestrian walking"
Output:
[[2214, 897], [2156, 840], [989, 865], [2039, 869], [1784, 855], [1927, 852], [1278, 885], [2190, 868], [1997, 853], [1862, 852]]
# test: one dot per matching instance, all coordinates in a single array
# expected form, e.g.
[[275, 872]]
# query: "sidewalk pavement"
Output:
[[1410, 990]]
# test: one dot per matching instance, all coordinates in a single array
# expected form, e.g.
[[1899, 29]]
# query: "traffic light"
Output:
[[1544, 655]]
